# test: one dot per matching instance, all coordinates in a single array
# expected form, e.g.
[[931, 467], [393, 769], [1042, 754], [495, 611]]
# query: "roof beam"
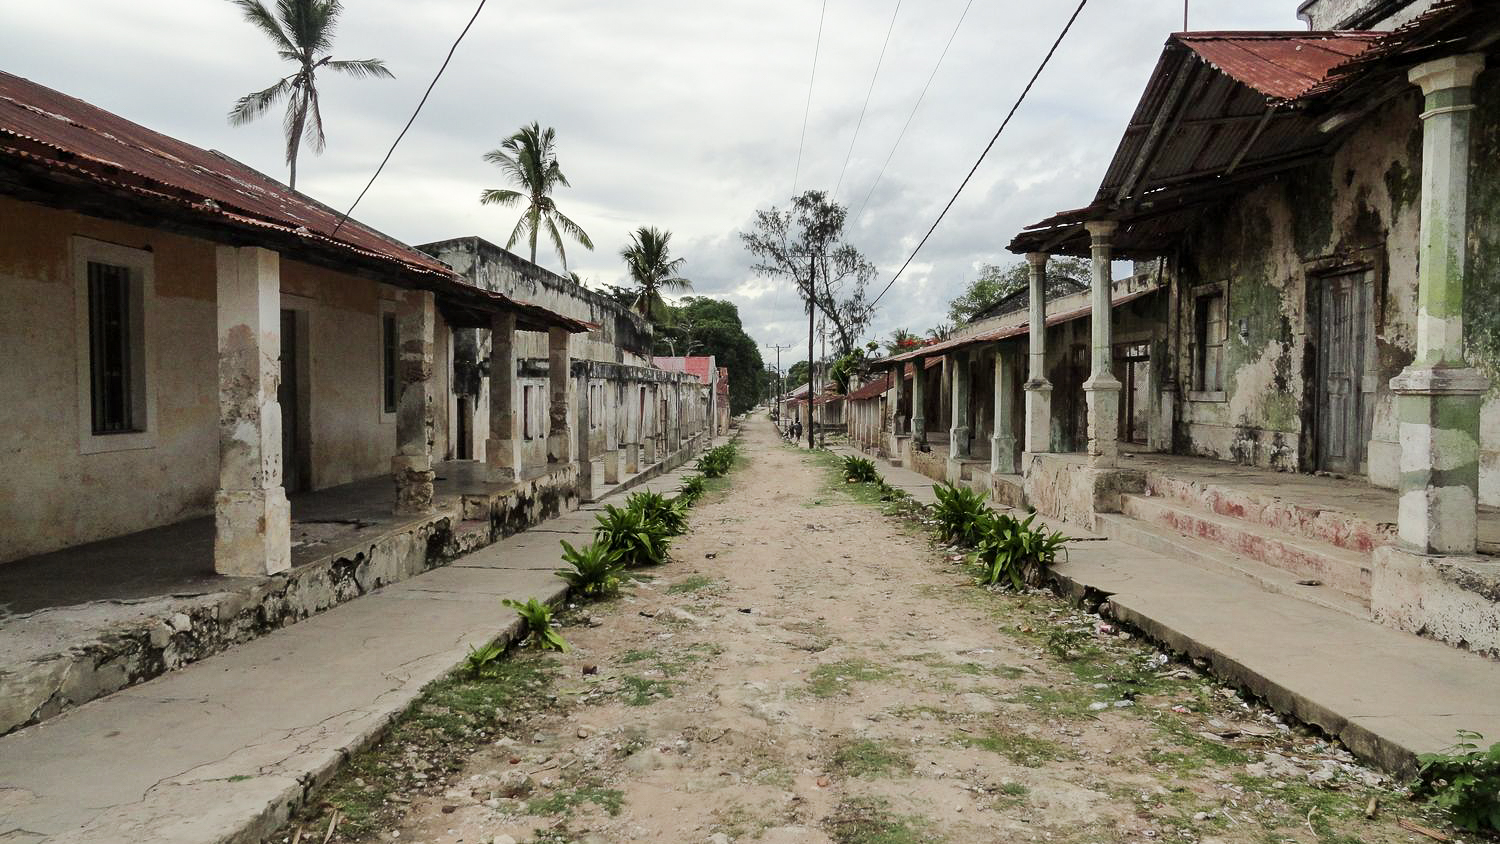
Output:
[[1244, 149], [1161, 128]]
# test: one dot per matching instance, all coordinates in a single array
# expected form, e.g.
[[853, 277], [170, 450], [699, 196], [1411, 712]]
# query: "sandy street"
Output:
[[811, 669]]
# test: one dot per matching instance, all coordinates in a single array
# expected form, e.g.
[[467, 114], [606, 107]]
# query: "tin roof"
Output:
[[874, 389], [59, 150], [1280, 65], [699, 366]]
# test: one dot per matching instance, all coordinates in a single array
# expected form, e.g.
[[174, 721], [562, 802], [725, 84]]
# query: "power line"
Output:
[[987, 148], [392, 150], [913, 113], [866, 106], [817, 46]]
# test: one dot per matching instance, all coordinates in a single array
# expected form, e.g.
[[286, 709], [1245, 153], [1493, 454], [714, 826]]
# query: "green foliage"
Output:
[[902, 340], [995, 282], [596, 569], [626, 531], [860, 470], [716, 462], [693, 487], [1463, 781], [960, 513], [482, 662], [657, 508], [698, 325], [1012, 552], [538, 617], [528, 158]]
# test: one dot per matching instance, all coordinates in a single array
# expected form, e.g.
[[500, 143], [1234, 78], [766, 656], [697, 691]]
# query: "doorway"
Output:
[[292, 395], [1343, 329], [1133, 370]]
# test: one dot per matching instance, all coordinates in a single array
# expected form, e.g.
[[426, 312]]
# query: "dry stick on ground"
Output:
[[333, 824], [1413, 826]]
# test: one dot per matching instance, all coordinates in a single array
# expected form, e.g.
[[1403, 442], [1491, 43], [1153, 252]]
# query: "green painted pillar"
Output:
[[1038, 388], [1102, 389], [1439, 395]]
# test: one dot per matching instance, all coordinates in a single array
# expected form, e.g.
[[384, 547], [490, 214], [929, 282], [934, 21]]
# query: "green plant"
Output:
[[1013, 552], [639, 542], [655, 507], [538, 617], [960, 513], [860, 470], [716, 462], [596, 569], [1463, 781], [693, 488], [481, 662]]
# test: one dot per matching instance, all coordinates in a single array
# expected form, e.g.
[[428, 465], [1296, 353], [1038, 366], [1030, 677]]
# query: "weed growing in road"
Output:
[[692, 583], [596, 569], [869, 820], [538, 617], [657, 508], [481, 662], [1463, 781], [563, 801], [960, 513], [859, 470], [1010, 552], [642, 691], [1020, 748], [716, 462], [693, 487], [870, 758], [834, 678], [639, 542]]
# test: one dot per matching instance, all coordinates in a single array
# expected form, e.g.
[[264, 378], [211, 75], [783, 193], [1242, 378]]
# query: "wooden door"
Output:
[[1341, 365]]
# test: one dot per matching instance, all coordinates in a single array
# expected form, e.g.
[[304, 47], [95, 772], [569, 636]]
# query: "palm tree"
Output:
[[529, 158], [652, 267], [302, 31]]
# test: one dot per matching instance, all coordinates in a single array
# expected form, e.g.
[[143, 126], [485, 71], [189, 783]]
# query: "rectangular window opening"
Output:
[[389, 355], [1210, 329], [114, 350]]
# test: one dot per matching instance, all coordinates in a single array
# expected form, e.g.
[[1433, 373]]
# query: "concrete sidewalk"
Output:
[[224, 749], [1387, 695]]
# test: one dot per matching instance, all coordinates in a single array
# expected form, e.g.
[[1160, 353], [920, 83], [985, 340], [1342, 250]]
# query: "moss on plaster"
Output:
[[1482, 282]]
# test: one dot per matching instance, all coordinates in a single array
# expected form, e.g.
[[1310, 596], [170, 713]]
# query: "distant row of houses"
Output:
[[1314, 221]]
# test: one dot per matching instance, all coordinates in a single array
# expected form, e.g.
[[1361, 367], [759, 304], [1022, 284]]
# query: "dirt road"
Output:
[[810, 669]]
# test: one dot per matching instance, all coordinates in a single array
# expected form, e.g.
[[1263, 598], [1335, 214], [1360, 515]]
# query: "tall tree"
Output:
[[805, 245], [699, 325], [529, 159], [995, 282], [302, 32], [649, 260]]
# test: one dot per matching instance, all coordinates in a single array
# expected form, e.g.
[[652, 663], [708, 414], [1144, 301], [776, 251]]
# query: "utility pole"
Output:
[[822, 413], [812, 293], [780, 374], [1185, 15]]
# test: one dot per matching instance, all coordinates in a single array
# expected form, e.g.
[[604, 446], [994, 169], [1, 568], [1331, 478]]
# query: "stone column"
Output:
[[252, 520], [958, 433], [1102, 389], [502, 447], [612, 422], [1038, 388], [416, 320], [585, 483], [918, 402], [559, 433], [633, 425], [895, 386], [1439, 395], [1002, 441], [648, 426]]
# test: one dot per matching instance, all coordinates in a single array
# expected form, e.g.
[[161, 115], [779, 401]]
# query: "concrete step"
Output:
[[1212, 557], [1334, 527], [1342, 569]]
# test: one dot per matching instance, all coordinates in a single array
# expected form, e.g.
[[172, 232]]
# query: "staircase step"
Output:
[[1210, 556], [1342, 569], [1333, 527]]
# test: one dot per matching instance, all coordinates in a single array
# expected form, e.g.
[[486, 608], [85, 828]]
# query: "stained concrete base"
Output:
[[1387, 695]]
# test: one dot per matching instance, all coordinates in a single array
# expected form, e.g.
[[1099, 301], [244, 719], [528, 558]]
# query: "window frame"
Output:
[[1201, 389], [141, 345]]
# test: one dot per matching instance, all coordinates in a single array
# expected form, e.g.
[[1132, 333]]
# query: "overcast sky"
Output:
[[682, 114]]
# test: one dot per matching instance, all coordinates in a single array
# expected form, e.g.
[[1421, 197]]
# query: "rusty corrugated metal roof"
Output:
[[53, 132], [1280, 65]]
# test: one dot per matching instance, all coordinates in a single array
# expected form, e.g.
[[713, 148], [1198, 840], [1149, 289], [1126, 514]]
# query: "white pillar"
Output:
[[1102, 389], [958, 433], [1439, 395], [416, 321], [633, 426], [502, 446], [252, 519], [559, 426], [1038, 388], [611, 432], [1002, 441], [918, 402]]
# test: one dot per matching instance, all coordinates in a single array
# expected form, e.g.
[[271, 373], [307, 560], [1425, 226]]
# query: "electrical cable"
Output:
[[806, 110], [915, 106], [392, 150], [1006, 122], [866, 106]]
